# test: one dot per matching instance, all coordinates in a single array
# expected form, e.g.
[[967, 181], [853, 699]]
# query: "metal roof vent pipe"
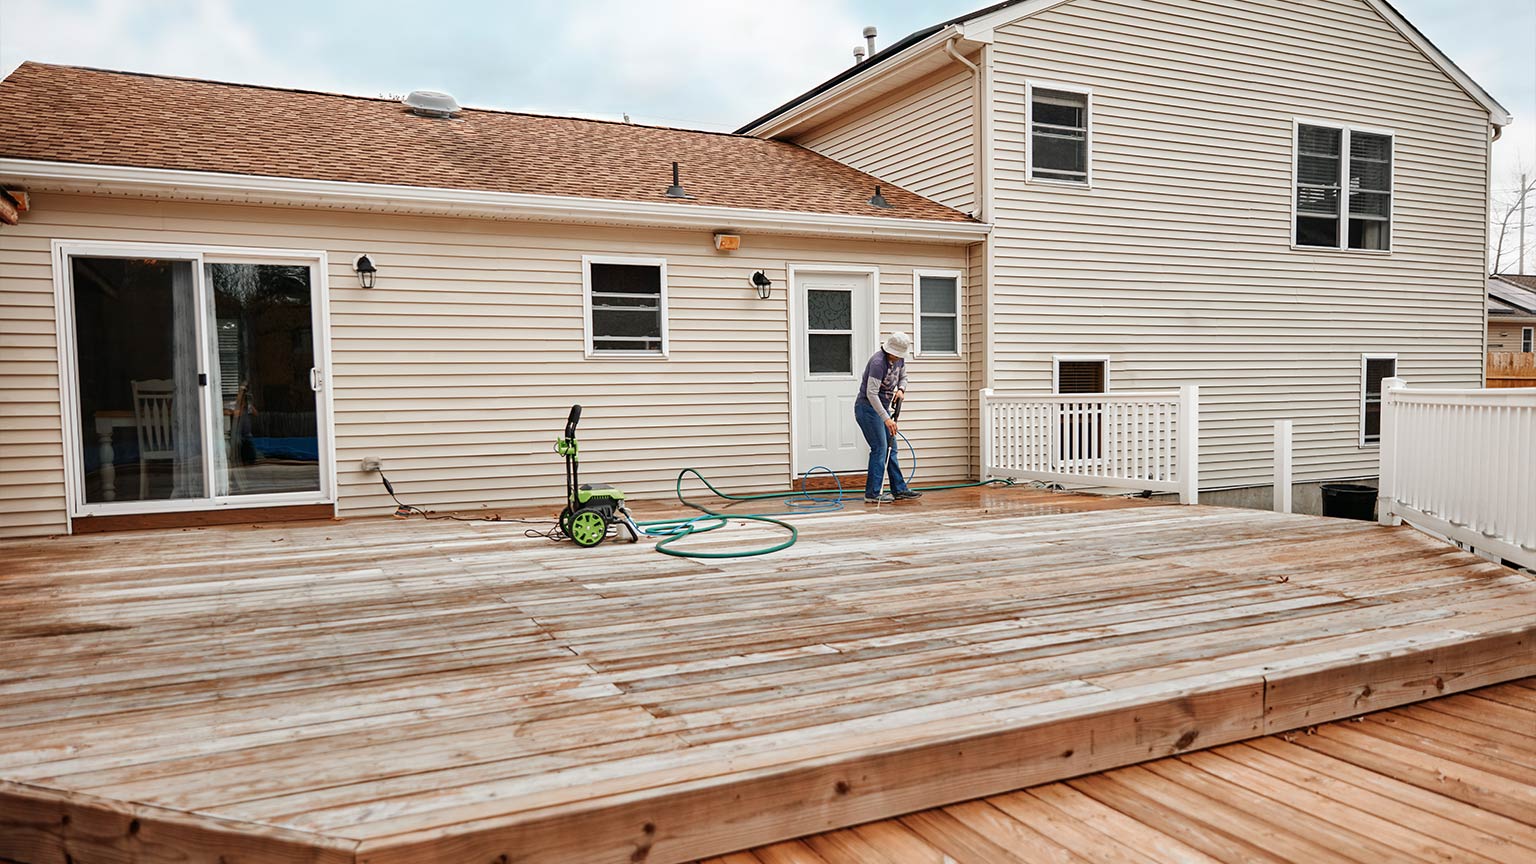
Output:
[[676, 189], [869, 39], [878, 200], [431, 103], [858, 54]]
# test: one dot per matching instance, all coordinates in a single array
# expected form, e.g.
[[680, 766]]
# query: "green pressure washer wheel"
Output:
[[588, 528]]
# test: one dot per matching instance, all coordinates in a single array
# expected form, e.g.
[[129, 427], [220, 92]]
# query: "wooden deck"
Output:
[[388, 691], [1448, 780]]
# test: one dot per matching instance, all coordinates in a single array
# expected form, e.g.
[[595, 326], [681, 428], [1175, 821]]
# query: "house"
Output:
[[1165, 183], [1511, 313], [1511, 331], [1053, 196], [187, 333]]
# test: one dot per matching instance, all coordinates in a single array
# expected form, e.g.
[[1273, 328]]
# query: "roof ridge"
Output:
[[384, 99]]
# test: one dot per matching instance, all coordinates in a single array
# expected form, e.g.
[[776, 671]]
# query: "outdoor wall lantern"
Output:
[[366, 272], [763, 284]]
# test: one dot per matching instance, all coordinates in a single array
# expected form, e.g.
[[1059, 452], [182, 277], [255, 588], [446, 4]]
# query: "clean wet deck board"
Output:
[[1448, 780], [406, 691]]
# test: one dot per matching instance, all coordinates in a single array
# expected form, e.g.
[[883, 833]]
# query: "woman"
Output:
[[884, 381]]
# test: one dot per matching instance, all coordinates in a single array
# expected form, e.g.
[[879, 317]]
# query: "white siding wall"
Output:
[[922, 138], [1177, 263], [459, 367]]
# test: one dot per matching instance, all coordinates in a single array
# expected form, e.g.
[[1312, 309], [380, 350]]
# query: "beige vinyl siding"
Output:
[[922, 138], [1505, 335], [1177, 263], [459, 367]]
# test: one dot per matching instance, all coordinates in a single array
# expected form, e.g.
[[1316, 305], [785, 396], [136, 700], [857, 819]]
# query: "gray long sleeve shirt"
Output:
[[882, 378]]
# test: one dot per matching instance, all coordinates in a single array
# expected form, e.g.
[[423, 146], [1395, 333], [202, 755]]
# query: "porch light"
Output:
[[763, 284], [366, 272]]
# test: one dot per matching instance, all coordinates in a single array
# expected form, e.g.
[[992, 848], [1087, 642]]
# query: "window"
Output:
[[1527, 337], [1343, 188], [1080, 425], [938, 313], [626, 306], [829, 330], [1058, 134], [1082, 375], [1374, 370]]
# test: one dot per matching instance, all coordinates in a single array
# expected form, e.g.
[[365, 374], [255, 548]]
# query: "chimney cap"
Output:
[[870, 31]]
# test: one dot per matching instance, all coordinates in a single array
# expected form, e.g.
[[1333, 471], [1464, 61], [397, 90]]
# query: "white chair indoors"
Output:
[[153, 406]]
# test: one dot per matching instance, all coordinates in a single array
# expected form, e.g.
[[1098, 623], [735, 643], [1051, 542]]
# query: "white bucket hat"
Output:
[[898, 345]]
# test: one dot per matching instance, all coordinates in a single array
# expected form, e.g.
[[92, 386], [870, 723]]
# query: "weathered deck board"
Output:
[[1287, 798], [407, 691]]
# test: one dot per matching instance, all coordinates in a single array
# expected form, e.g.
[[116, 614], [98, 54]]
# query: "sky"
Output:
[[711, 64]]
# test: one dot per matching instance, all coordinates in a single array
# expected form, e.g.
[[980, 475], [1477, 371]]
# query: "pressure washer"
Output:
[[591, 509]]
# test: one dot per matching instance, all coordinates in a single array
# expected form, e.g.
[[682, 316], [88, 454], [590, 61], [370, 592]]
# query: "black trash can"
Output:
[[1349, 501]]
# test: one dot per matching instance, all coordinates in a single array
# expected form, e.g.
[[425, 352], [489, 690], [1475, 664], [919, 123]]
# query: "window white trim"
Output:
[[1058, 359], [917, 312], [1364, 364], [586, 308], [72, 430], [1527, 339], [1029, 134], [1343, 228]]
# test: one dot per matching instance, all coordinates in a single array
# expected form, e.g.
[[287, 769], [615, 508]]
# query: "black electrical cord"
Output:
[[405, 511]]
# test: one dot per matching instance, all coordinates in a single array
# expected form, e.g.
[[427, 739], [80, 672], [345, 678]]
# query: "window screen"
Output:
[[939, 314], [1338, 168], [1370, 190], [1376, 370], [829, 331], [1081, 376], [1058, 135], [626, 308], [1319, 155]]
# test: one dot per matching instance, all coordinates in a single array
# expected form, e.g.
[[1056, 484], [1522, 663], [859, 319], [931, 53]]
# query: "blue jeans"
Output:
[[882, 451]]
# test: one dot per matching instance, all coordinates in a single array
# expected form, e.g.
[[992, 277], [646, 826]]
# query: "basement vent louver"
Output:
[[431, 103]]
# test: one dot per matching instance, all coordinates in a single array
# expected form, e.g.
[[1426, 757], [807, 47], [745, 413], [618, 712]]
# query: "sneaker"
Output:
[[908, 495], [883, 498]]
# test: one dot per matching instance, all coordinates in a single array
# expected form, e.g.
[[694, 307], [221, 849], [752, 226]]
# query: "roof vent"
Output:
[[431, 103], [869, 37]]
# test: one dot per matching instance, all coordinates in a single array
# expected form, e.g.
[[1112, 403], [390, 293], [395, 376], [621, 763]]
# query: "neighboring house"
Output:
[[1512, 313], [1511, 331], [184, 331], [1166, 183]]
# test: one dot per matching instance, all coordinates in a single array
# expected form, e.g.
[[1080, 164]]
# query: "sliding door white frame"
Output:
[[197, 256]]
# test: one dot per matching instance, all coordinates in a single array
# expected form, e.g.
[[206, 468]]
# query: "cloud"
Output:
[[196, 38], [705, 61]]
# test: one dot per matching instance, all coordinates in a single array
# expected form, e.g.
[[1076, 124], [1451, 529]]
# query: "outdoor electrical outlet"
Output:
[[373, 463]]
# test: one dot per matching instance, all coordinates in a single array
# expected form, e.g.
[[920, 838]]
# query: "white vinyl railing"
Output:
[[1462, 463], [1121, 440]]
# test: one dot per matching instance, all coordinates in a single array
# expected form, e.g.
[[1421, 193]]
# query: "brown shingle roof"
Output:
[[72, 114]]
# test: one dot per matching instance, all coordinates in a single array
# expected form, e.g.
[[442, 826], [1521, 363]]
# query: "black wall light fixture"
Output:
[[763, 284], [366, 272]]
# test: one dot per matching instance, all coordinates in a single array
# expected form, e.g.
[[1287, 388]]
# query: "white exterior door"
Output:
[[835, 328]]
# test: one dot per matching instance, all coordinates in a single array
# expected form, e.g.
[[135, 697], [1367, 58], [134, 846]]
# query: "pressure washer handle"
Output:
[[571, 421], [896, 408]]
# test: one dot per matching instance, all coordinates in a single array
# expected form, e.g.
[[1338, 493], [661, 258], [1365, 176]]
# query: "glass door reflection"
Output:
[[262, 375]]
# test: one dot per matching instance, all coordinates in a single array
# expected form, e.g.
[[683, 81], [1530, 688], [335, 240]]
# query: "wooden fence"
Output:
[[1511, 369]]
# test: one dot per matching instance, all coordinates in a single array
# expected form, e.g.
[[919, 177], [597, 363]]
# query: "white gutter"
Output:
[[208, 185]]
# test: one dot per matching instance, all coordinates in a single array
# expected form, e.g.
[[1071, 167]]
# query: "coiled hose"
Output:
[[799, 502]]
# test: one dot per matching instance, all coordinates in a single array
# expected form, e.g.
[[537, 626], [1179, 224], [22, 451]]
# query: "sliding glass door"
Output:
[[193, 381]]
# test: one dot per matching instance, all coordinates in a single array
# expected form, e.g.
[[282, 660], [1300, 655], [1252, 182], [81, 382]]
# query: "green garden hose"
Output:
[[673, 530]]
